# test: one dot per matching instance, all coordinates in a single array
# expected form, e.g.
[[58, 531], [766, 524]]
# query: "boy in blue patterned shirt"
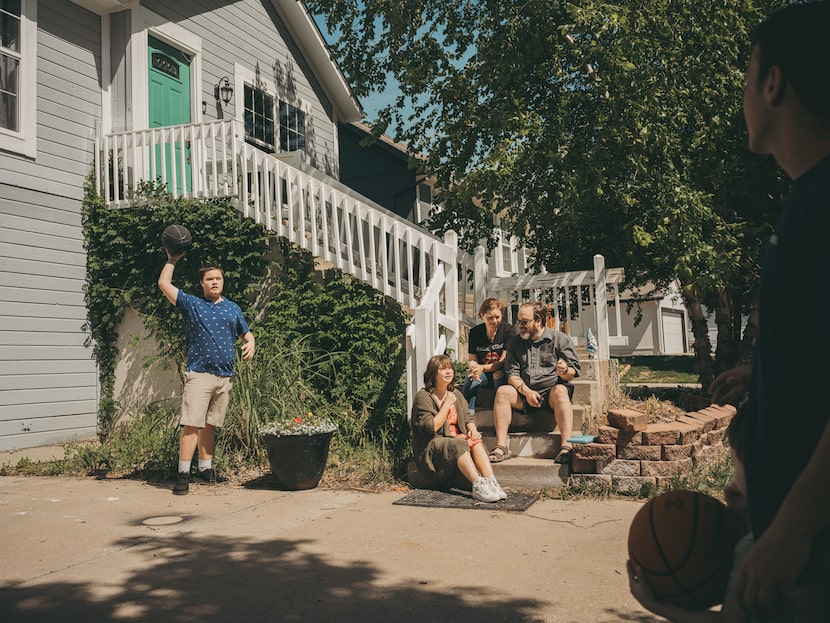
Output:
[[211, 324]]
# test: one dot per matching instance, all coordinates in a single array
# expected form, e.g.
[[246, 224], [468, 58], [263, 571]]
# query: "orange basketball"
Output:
[[684, 542]]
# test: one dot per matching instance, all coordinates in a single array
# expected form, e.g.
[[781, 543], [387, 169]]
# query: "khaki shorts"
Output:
[[205, 399]]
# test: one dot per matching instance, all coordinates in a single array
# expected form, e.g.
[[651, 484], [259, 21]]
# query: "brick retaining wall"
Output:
[[630, 452]]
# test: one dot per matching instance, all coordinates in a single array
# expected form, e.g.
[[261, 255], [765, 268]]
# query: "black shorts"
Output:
[[544, 393]]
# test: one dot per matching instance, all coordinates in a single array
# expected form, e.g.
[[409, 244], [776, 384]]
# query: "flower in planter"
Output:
[[308, 424]]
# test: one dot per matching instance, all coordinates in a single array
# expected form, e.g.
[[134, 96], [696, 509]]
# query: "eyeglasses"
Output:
[[521, 322]]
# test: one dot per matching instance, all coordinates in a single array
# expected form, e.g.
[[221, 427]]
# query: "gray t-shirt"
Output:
[[535, 361]]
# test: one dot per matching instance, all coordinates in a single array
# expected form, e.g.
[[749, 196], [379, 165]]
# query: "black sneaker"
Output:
[[208, 476], [182, 484]]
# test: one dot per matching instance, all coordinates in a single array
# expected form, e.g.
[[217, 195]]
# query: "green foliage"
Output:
[[341, 315], [658, 369], [590, 127], [578, 488], [709, 477], [146, 446]]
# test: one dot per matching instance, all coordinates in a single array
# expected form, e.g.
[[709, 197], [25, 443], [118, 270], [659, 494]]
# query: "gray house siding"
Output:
[[251, 33], [48, 380]]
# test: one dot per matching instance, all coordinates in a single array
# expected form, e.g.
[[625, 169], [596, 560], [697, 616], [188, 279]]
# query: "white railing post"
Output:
[[450, 269], [601, 308], [479, 278]]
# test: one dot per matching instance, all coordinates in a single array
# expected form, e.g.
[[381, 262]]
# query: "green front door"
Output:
[[169, 104]]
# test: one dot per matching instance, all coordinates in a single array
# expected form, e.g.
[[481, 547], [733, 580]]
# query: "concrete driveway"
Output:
[[80, 549]]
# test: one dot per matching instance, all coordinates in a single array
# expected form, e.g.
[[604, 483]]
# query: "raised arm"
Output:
[[166, 277]]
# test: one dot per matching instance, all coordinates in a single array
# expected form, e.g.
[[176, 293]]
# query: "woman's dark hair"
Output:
[[437, 362], [488, 304], [797, 39]]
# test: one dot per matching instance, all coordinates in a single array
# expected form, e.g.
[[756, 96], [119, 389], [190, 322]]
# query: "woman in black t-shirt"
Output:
[[486, 350]]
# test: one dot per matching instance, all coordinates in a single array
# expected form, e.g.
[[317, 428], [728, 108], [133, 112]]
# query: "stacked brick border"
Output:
[[630, 452]]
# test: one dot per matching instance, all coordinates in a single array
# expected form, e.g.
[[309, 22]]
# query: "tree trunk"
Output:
[[700, 331], [750, 334], [728, 349]]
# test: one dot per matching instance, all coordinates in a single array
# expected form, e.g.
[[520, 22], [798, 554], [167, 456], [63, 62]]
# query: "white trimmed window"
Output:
[[292, 127], [18, 50], [259, 117], [270, 123]]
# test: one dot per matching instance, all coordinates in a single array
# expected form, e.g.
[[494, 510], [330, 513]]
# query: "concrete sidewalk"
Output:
[[80, 549]]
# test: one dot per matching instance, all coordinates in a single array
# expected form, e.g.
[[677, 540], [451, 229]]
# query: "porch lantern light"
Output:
[[224, 90]]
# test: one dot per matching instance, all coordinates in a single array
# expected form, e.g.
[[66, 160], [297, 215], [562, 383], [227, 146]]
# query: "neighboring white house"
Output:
[[663, 330], [75, 71]]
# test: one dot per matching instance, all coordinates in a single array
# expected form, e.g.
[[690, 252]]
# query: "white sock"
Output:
[[205, 464], [184, 467]]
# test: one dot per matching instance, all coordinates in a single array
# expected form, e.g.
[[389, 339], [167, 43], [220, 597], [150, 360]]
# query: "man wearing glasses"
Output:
[[540, 365]]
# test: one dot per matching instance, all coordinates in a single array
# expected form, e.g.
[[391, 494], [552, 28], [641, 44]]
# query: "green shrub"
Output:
[[146, 446]]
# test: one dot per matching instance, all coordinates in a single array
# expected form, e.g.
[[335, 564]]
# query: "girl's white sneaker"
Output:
[[497, 487], [483, 491]]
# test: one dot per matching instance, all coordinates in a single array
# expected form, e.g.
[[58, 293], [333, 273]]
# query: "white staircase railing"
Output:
[[577, 300], [312, 210]]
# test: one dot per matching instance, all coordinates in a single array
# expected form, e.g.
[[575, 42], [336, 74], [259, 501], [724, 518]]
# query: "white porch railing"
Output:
[[577, 300], [315, 212]]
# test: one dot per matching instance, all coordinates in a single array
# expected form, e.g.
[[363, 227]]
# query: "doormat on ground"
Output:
[[456, 498]]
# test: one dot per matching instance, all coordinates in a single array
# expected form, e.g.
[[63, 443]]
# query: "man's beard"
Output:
[[525, 335]]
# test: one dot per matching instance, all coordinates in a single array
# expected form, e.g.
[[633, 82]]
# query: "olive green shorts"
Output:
[[205, 399]]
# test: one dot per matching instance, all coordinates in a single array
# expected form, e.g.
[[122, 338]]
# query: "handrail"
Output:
[[303, 205]]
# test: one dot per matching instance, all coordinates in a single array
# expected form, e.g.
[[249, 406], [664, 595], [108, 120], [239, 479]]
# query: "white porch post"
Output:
[[479, 278], [451, 292], [602, 308]]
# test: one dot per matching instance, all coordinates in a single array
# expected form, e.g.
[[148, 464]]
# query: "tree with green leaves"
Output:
[[586, 127]]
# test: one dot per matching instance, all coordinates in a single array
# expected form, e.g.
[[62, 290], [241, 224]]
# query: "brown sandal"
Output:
[[499, 454], [565, 455]]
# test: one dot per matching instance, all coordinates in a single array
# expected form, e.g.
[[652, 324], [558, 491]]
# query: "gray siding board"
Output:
[[57, 367], [38, 338], [35, 325], [46, 410], [38, 304], [35, 212], [44, 381], [55, 74], [32, 197], [12, 442], [45, 424], [23, 353], [45, 396], [65, 17], [76, 168], [52, 256], [28, 267], [87, 103], [21, 173], [37, 239], [40, 282], [61, 137], [49, 228]]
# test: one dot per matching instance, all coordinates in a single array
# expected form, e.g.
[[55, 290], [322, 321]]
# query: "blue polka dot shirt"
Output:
[[211, 330]]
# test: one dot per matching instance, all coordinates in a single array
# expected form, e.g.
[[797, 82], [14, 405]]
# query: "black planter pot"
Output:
[[298, 461]]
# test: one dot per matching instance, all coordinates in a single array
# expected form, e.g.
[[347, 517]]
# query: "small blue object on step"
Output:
[[583, 439]]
